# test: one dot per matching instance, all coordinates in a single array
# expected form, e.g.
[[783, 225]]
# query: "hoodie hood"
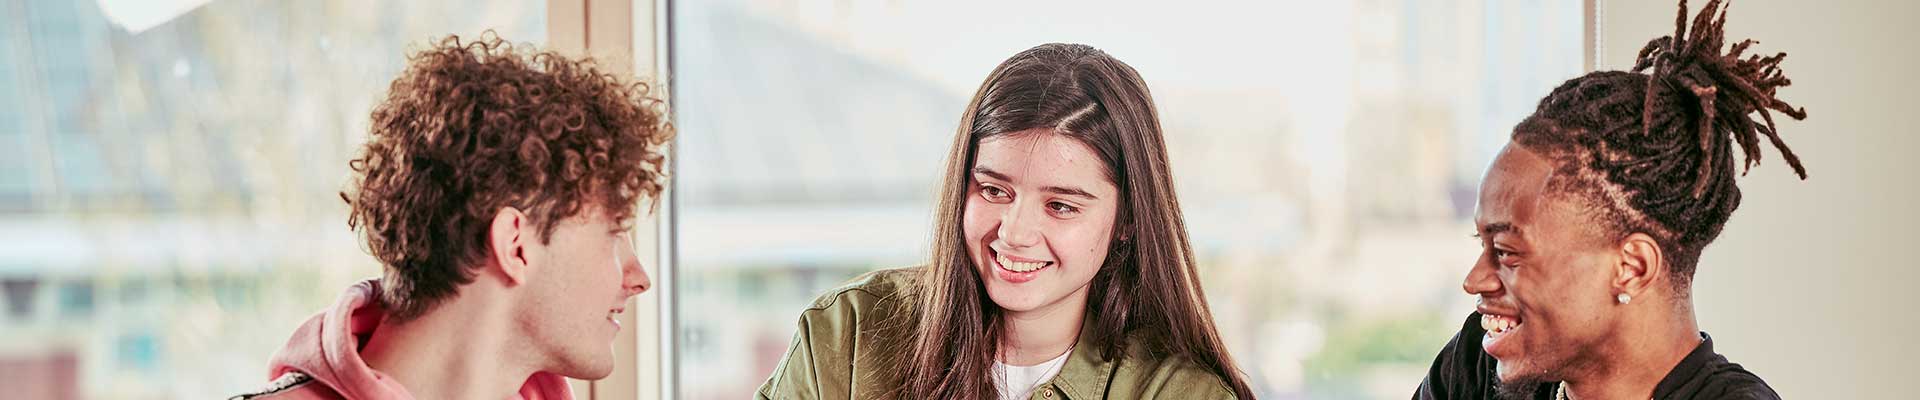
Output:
[[327, 347]]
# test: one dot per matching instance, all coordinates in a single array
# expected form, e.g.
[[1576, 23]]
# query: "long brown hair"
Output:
[[1148, 288]]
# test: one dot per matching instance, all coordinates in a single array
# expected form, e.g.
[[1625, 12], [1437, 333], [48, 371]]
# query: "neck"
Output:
[[458, 350], [1643, 353], [1039, 335]]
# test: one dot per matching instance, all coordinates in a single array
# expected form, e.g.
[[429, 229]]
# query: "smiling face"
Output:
[[1543, 276], [581, 280], [1039, 219]]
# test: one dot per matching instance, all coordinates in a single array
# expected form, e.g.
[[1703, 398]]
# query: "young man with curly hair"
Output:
[[496, 189]]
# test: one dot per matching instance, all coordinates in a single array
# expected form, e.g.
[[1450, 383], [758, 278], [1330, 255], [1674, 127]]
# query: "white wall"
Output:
[[1811, 284]]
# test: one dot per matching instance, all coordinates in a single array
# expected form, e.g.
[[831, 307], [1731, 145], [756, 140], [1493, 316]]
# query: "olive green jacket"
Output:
[[840, 335]]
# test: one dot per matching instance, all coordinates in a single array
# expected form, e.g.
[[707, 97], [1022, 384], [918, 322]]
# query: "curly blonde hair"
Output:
[[471, 127]]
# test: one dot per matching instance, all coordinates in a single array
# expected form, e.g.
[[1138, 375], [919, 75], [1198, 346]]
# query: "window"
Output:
[[1327, 155], [168, 199], [158, 183]]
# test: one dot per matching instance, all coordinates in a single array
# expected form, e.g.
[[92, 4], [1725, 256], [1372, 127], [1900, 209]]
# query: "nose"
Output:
[[1017, 229], [1480, 278], [633, 276]]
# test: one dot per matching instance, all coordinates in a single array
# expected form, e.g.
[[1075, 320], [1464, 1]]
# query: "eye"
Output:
[[1062, 208], [1502, 256], [994, 194]]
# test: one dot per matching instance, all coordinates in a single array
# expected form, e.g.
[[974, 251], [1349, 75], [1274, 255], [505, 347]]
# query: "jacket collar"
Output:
[[1086, 374]]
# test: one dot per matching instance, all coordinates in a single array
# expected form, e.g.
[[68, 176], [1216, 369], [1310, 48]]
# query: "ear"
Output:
[[1641, 266], [508, 237]]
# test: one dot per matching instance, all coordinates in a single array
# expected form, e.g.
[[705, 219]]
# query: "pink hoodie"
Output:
[[327, 348]]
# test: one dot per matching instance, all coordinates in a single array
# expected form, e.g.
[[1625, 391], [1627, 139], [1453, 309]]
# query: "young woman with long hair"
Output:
[[1060, 262]]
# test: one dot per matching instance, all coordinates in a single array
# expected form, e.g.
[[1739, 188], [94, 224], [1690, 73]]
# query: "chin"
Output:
[[1015, 303], [1512, 382], [597, 373], [589, 366], [592, 372], [1522, 389], [1514, 368], [1520, 372], [1014, 298], [1507, 371]]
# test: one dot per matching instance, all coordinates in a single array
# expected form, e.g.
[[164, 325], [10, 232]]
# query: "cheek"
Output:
[[1084, 247], [1083, 244], [1571, 299], [977, 220], [588, 268]]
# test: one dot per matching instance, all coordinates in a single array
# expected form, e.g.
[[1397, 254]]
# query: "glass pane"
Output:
[[1320, 147], [169, 199]]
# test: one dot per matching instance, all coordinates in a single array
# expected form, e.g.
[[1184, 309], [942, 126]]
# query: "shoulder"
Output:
[[1731, 381], [1167, 376], [1461, 370], [866, 303], [849, 331], [866, 291], [1750, 392], [289, 386]]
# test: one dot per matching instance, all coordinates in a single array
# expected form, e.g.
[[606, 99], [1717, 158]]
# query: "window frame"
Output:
[[629, 37]]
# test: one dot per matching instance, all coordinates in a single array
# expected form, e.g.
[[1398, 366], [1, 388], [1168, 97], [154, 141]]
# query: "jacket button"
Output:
[[1047, 393]]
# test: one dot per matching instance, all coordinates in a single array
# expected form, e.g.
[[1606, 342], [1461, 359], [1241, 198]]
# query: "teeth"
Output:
[[1498, 324], [1010, 265]]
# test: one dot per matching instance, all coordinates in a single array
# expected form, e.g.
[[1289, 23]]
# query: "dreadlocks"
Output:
[[1651, 150]]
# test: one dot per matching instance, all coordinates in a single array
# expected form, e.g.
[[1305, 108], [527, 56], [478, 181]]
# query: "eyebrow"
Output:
[[1060, 190], [1498, 228], [991, 173]]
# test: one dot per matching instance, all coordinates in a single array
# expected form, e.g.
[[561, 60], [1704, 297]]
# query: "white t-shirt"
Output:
[[1018, 383]]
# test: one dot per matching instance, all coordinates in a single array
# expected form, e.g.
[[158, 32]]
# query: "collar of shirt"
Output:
[[1086, 374], [1693, 364]]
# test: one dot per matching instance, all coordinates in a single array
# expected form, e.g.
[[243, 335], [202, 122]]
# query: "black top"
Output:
[[1463, 371]]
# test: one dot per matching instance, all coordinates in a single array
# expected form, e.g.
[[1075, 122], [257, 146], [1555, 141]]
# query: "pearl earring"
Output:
[[1623, 298]]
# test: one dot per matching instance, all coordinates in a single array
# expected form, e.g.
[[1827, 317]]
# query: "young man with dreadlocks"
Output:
[[1592, 220]]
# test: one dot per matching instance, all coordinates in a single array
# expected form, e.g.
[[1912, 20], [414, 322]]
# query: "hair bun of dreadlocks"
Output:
[[1652, 150], [1717, 90]]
